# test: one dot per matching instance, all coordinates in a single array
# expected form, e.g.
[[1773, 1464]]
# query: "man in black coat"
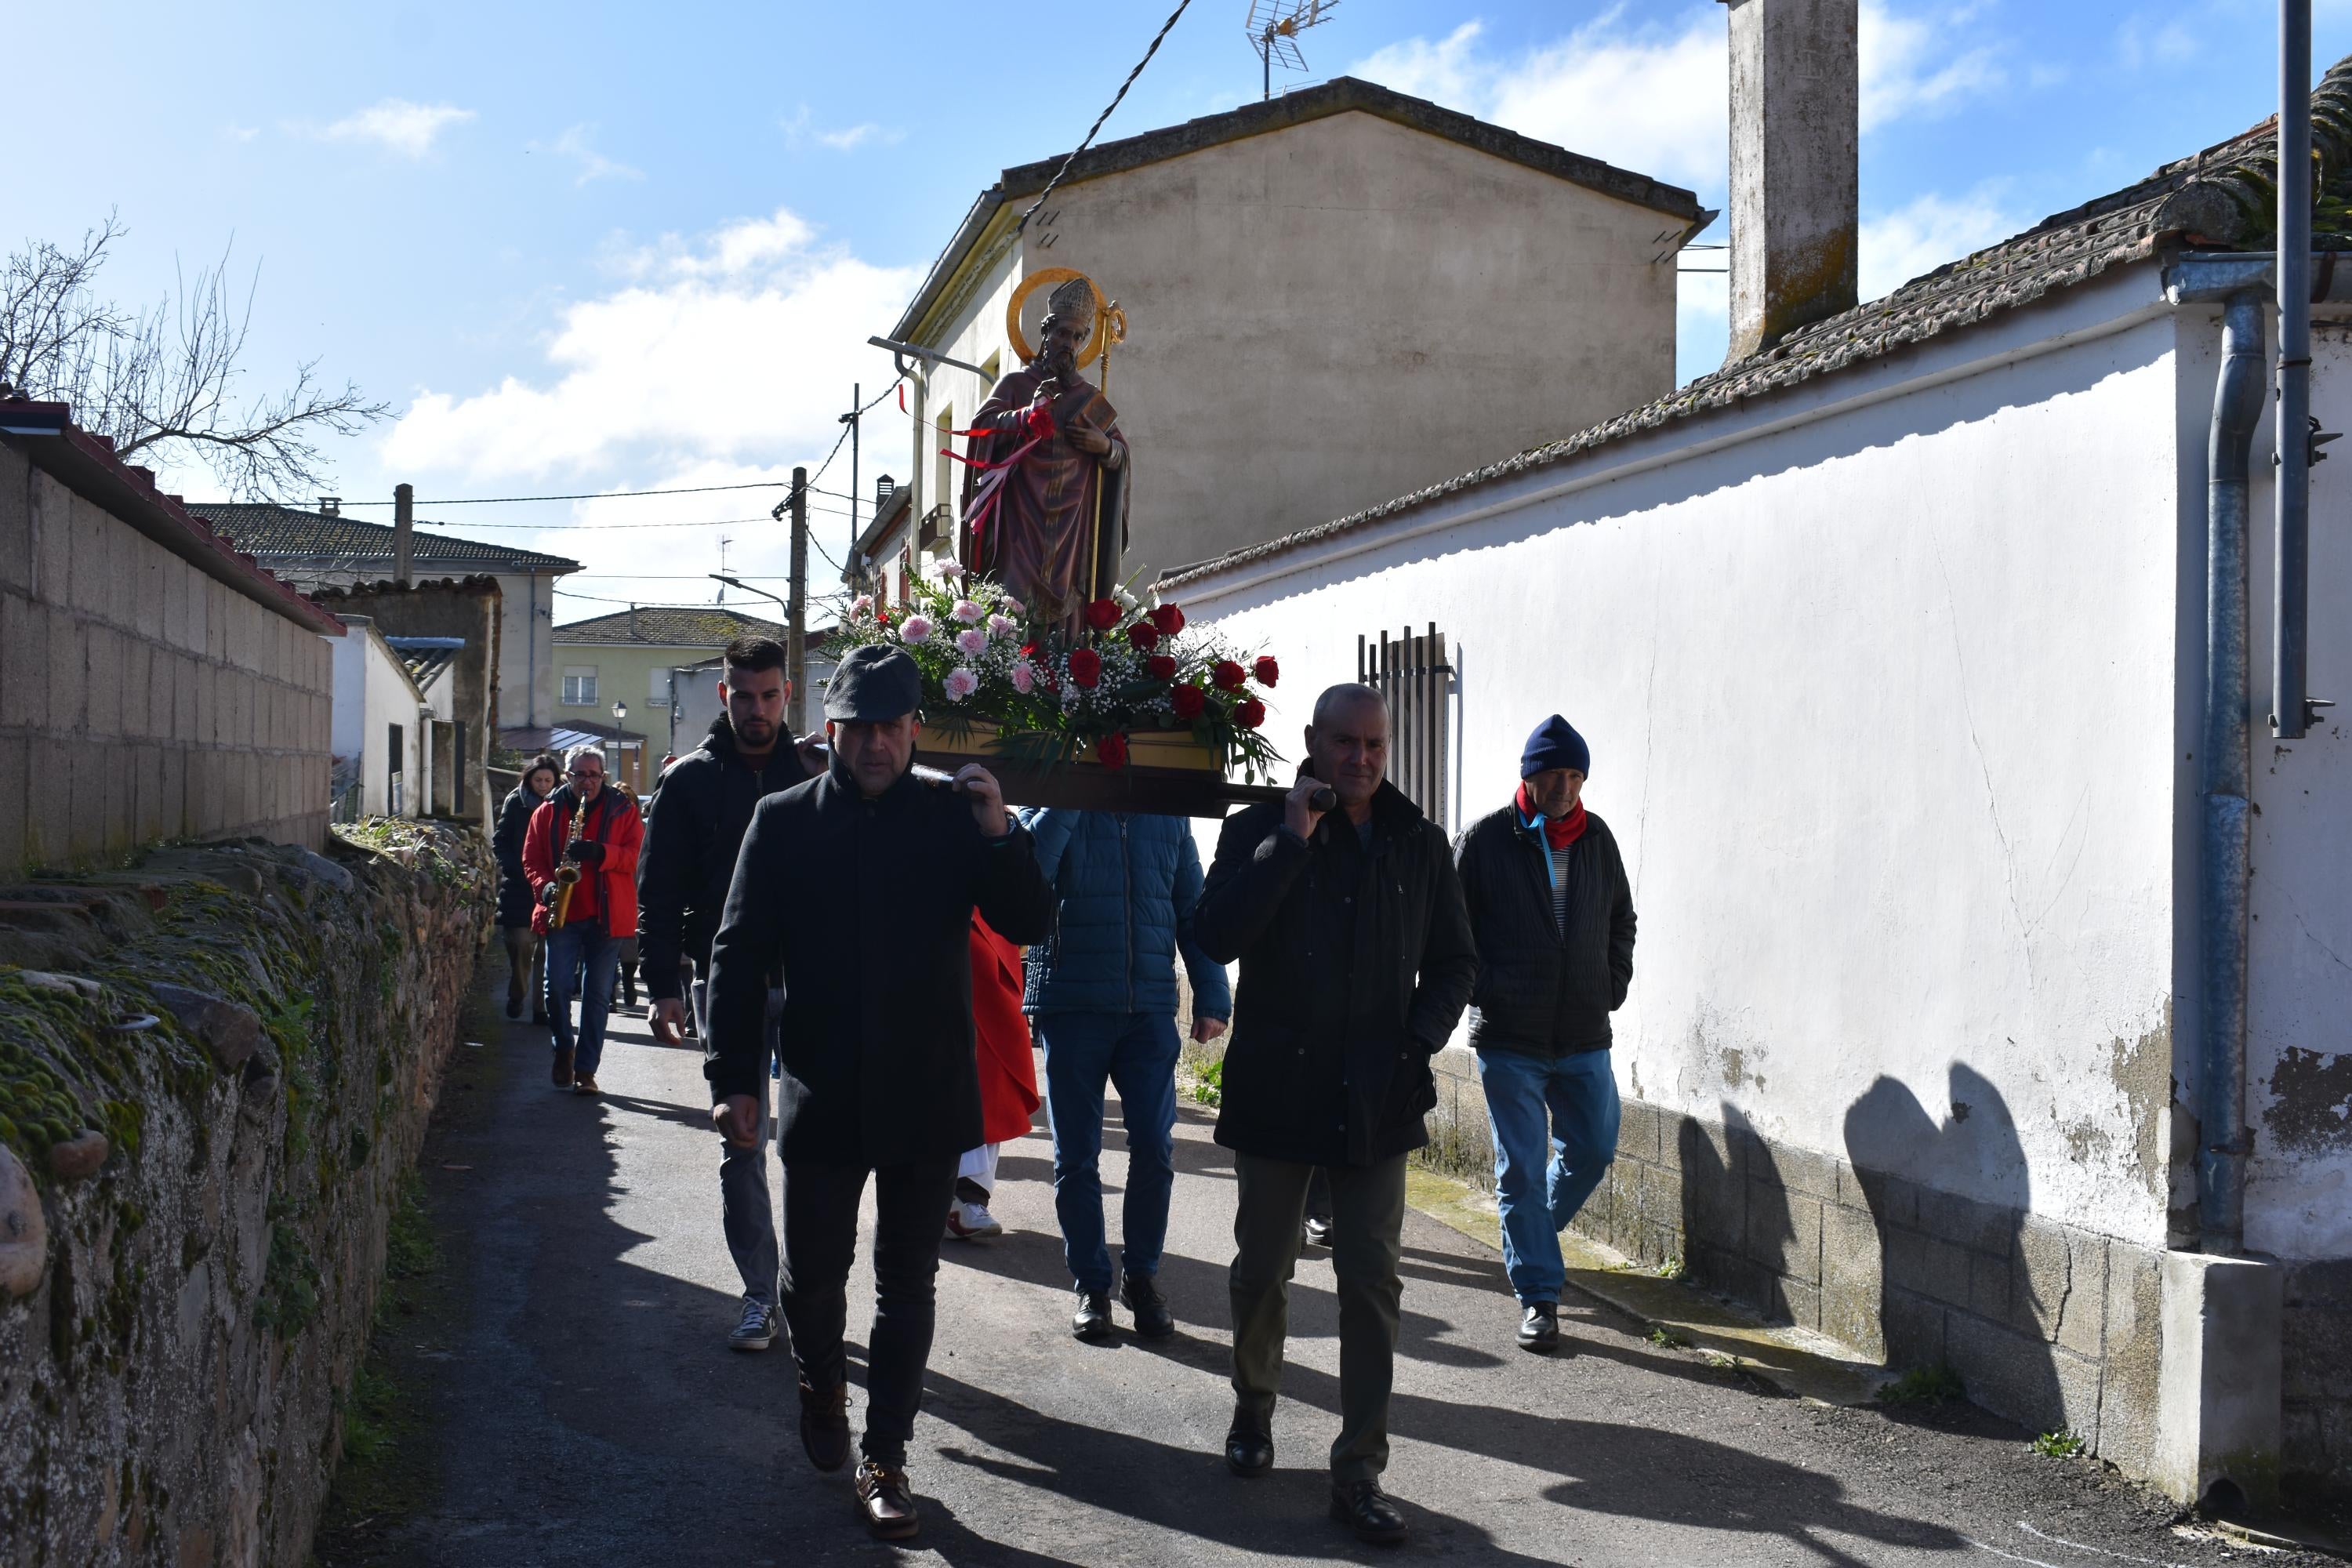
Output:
[[1356, 959], [861, 884], [705, 799], [1554, 918], [526, 953]]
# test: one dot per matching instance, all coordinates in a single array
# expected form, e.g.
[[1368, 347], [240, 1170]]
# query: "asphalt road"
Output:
[[584, 1407]]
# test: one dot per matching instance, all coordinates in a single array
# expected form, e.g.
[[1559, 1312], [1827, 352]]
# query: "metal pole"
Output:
[[2290, 432], [796, 613], [850, 419], [1265, 58]]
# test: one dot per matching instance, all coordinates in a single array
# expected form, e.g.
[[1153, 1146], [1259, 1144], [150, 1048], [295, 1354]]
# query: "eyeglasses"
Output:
[[587, 772]]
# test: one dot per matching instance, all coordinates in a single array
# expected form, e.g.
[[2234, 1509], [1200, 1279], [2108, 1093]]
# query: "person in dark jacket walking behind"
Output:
[[1355, 961], [526, 956], [693, 831], [1101, 995], [861, 884], [1554, 919]]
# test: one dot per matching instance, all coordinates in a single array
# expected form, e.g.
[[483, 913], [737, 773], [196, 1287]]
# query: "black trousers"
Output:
[[820, 1242]]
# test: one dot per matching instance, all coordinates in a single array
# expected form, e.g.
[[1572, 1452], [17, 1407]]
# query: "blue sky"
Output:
[[595, 247]]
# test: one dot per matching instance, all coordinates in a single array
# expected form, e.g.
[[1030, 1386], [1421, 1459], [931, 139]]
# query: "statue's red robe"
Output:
[[1050, 523]]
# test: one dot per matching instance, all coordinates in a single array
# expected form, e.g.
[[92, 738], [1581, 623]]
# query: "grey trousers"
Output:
[[1366, 1229], [526, 968], [745, 1211]]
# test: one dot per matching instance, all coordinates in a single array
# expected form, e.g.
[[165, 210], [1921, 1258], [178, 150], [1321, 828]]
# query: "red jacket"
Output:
[[613, 822], [1008, 1072]]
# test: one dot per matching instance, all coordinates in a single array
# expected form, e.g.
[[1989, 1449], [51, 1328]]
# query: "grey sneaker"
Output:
[[757, 1331]]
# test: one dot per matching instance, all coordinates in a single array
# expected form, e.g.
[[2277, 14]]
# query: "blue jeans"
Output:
[[1136, 1051], [583, 961], [1555, 1127]]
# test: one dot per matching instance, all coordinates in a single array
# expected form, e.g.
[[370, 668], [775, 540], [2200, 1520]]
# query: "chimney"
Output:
[[404, 529], [331, 506], [633, 622], [1795, 97]]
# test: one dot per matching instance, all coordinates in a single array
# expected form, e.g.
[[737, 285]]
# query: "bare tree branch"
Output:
[[165, 381]]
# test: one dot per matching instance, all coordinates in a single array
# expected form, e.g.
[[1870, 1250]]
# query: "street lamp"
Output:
[[620, 720]]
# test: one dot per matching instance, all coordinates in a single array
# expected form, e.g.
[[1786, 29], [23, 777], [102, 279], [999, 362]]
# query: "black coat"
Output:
[[1355, 968], [867, 905], [693, 827], [514, 888], [1540, 990]]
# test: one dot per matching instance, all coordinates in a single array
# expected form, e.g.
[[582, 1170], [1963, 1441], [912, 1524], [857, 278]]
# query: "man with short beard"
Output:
[[1355, 961], [706, 801]]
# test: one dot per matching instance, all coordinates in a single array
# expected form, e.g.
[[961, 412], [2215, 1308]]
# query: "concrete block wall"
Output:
[[142, 699]]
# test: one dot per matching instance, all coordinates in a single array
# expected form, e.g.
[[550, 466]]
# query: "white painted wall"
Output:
[[373, 691], [1329, 315], [1880, 681], [528, 676]]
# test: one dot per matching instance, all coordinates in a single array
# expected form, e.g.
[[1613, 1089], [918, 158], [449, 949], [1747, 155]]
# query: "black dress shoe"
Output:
[[1092, 1320], [1249, 1447], [1153, 1321], [1363, 1508], [824, 1426], [1539, 1327], [514, 1007], [884, 1498]]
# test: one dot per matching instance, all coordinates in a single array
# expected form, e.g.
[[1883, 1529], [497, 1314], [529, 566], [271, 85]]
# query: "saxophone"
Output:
[[567, 872]]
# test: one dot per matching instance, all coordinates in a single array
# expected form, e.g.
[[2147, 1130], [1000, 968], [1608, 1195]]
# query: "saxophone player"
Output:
[[580, 856]]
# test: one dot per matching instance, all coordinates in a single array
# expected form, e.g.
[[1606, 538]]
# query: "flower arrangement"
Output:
[[1133, 667]]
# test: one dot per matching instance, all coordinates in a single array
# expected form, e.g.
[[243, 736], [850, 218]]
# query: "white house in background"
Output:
[[381, 731], [324, 549], [1334, 296], [1889, 645]]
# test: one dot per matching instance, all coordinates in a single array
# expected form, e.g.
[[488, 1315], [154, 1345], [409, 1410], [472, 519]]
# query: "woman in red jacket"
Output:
[[597, 829], [1008, 1079]]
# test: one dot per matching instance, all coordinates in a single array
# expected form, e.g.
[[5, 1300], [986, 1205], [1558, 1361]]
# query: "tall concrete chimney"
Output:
[[1795, 102], [403, 527]]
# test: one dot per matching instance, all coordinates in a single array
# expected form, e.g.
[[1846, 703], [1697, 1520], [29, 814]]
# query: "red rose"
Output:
[[1249, 714], [1103, 614], [1160, 667], [1267, 671], [1228, 675], [1143, 636], [1188, 701], [1168, 620], [1111, 751], [1085, 667]]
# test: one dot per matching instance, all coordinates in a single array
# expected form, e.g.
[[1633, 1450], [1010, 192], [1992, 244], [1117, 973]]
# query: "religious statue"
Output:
[[1045, 495]]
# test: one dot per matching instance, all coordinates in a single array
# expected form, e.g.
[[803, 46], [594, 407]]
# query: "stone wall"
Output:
[[142, 696], [215, 1068]]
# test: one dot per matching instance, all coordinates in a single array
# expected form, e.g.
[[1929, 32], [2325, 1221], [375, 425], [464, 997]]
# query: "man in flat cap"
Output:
[[1553, 913], [860, 885]]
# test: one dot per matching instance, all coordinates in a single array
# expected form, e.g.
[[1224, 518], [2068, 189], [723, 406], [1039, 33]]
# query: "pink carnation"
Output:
[[961, 683], [971, 640], [1015, 607], [952, 571], [1024, 677], [860, 604], [967, 612], [1002, 625], [914, 628]]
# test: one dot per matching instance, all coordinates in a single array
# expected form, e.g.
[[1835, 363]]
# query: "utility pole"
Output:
[[797, 611], [851, 419]]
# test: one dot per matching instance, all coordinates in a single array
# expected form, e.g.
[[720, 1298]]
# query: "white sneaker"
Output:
[[972, 1222]]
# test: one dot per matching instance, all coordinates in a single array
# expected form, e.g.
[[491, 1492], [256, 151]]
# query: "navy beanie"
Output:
[[1555, 745]]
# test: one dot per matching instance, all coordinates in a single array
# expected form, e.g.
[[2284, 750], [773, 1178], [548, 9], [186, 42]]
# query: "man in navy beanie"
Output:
[[1553, 916]]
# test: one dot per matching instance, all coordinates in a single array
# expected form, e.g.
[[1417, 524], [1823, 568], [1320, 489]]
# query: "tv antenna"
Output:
[[1274, 28], [723, 568]]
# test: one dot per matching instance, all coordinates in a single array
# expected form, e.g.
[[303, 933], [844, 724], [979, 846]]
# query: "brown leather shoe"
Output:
[[824, 1426], [562, 1074], [883, 1498], [584, 1083]]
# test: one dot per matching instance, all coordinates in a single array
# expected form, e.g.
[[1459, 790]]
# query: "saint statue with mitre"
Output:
[[1045, 495]]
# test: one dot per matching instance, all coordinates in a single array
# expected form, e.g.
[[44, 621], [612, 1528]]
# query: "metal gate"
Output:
[[1411, 672]]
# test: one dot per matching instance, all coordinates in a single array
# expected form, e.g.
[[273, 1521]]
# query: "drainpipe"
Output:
[[2291, 522], [2225, 779]]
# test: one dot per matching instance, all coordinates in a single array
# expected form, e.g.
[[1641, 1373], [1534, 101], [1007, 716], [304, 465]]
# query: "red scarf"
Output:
[[1559, 832]]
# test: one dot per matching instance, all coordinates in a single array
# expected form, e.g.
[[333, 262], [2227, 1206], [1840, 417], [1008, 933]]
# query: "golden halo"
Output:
[[1045, 277]]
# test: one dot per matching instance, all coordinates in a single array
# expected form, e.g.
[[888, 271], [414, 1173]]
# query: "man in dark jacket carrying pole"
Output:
[[1554, 919], [860, 884], [1356, 959], [691, 841]]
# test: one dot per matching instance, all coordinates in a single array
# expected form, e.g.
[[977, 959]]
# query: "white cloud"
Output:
[[592, 164], [240, 132], [1913, 65], [800, 129], [2141, 43], [398, 125], [720, 360], [1926, 232]]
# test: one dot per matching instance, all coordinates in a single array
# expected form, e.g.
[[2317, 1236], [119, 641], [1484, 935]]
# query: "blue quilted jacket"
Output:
[[1124, 884]]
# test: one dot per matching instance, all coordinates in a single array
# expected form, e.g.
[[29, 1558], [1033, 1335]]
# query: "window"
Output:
[[1413, 673], [395, 767], [580, 685], [943, 468]]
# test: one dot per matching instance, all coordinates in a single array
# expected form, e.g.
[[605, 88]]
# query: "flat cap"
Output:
[[873, 684]]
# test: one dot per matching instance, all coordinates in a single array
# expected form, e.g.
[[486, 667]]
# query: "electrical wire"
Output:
[[597, 495], [1162, 34]]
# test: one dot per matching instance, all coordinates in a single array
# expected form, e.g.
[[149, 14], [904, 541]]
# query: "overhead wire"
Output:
[[1091, 133]]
